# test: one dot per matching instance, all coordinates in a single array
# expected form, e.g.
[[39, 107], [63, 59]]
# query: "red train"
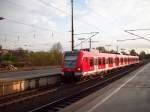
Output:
[[82, 63]]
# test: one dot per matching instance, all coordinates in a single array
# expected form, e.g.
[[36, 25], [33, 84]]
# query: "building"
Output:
[[4, 51]]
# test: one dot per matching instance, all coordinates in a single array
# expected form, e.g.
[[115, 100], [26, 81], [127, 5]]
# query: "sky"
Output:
[[38, 24]]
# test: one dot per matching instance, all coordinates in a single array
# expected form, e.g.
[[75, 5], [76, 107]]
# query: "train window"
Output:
[[117, 60], [113, 60], [91, 62], [121, 60], [110, 61], [128, 60], [70, 59], [104, 61], [86, 59], [99, 61]]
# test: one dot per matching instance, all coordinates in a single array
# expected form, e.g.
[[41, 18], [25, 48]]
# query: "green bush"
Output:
[[40, 58]]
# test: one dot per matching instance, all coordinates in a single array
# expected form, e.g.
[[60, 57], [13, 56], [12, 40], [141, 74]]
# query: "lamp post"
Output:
[[72, 27]]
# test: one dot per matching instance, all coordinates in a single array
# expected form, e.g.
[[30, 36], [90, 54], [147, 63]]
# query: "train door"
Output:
[[128, 61], [125, 61], [99, 63], [103, 62], [91, 64], [110, 62], [121, 61], [85, 64], [116, 61]]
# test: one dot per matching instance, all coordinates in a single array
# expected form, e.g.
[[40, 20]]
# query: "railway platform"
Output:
[[15, 82], [131, 93], [8, 76]]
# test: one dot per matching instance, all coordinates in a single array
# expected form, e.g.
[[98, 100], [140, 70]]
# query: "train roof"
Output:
[[95, 52]]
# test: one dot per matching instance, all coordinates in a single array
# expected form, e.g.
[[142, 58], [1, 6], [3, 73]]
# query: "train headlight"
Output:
[[78, 69]]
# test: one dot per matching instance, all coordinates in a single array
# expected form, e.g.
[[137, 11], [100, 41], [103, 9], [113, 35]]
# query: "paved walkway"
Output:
[[128, 94]]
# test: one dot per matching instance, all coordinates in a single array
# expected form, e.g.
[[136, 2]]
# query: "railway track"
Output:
[[19, 97], [22, 96], [61, 103]]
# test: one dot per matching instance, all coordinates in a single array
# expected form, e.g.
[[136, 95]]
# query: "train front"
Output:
[[71, 67]]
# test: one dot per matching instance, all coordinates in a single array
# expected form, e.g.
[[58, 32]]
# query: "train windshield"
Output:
[[70, 59]]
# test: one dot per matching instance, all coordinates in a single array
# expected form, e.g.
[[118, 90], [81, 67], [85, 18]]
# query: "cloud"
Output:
[[32, 12], [113, 17], [109, 17]]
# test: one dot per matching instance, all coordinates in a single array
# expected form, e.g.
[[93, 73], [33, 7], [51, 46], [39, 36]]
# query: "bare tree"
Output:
[[142, 55], [133, 52], [56, 53], [102, 49], [57, 47]]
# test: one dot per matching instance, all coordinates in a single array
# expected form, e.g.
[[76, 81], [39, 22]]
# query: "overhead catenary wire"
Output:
[[133, 38], [138, 29], [29, 10], [128, 39], [85, 33], [129, 31], [31, 25], [60, 10], [18, 5], [96, 13], [41, 28], [95, 33], [72, 20], [54, 7], [86, 23], [48, 5]]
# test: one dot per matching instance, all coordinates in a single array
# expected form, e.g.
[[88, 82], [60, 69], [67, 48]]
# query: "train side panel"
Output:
[[84, 63]]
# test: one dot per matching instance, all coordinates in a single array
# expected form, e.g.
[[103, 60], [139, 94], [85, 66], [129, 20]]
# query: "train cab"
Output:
[[70, 63], [79, 63]]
